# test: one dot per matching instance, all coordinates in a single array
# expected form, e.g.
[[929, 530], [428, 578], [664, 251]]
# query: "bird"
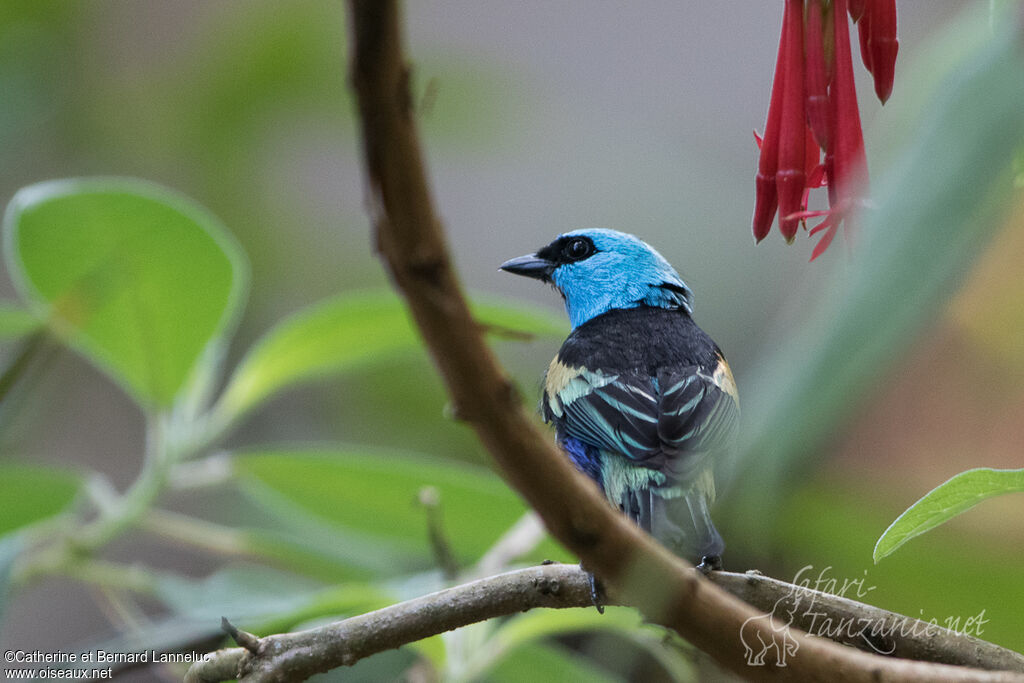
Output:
[[642, 400]]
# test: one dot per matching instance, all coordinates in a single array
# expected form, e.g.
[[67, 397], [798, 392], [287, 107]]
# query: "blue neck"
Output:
[[583, 306]]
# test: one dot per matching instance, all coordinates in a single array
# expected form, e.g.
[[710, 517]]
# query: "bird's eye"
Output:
[[578, 249]]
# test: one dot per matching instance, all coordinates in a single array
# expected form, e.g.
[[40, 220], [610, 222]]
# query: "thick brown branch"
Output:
[[299, 655], [412, 244]]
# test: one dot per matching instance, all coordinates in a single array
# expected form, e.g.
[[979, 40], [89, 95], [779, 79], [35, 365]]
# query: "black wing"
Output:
[[664, 422]]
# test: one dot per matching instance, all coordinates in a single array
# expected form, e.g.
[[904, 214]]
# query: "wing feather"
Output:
[[626, 413]]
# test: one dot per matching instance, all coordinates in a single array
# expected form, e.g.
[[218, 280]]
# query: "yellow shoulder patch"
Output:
[[724, 379], [558, 376], [557, 379]]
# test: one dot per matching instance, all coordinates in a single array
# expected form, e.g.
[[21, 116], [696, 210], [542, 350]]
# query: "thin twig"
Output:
[[213, 470], [243, 638], [294, 656], [430, 499], [521, 538], [196, 533]]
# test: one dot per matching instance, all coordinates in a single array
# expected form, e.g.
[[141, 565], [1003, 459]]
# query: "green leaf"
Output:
[[136, 277], [322, 548], [15, 322], [303, 549], [945, 501], [28, 494], [238, 592], [375, 496], [252, 592], [516, 319], [344, 333], [538, 625], [269, 599], [546, 662], [331, 336], [623, 622], [31, 493]]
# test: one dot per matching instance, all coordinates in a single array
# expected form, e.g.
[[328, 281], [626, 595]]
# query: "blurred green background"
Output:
[[538, 118]]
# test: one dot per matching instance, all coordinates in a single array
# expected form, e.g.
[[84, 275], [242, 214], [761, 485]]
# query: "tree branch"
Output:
[[294, 656], [637, 570]]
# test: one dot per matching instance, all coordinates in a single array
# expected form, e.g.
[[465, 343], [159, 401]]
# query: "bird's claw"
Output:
[[597, 595], [709, 563]]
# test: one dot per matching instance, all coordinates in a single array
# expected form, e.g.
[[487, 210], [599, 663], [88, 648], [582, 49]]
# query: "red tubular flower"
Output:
[[789, 177], [847, 165], [876, 27], [883, 46], [848, 153], [864, 33], [816, 76], [814, 171], [813, 109], [767, 198]]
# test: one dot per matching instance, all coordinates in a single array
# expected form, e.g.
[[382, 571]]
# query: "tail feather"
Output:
[[683, 524], [678, 517]]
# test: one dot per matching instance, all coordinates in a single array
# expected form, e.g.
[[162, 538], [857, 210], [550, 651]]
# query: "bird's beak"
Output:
[[530, 265]]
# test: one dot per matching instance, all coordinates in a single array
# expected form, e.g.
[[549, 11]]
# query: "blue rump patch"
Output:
[[586, 458]]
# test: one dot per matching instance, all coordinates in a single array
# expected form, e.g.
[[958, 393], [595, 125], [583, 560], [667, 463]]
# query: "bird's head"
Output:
[[599, 270]]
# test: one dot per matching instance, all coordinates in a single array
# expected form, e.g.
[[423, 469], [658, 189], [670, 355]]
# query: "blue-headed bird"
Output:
[[642, 400]]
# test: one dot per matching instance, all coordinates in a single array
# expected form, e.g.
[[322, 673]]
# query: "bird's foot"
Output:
[[709, 563], [597, 594]]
